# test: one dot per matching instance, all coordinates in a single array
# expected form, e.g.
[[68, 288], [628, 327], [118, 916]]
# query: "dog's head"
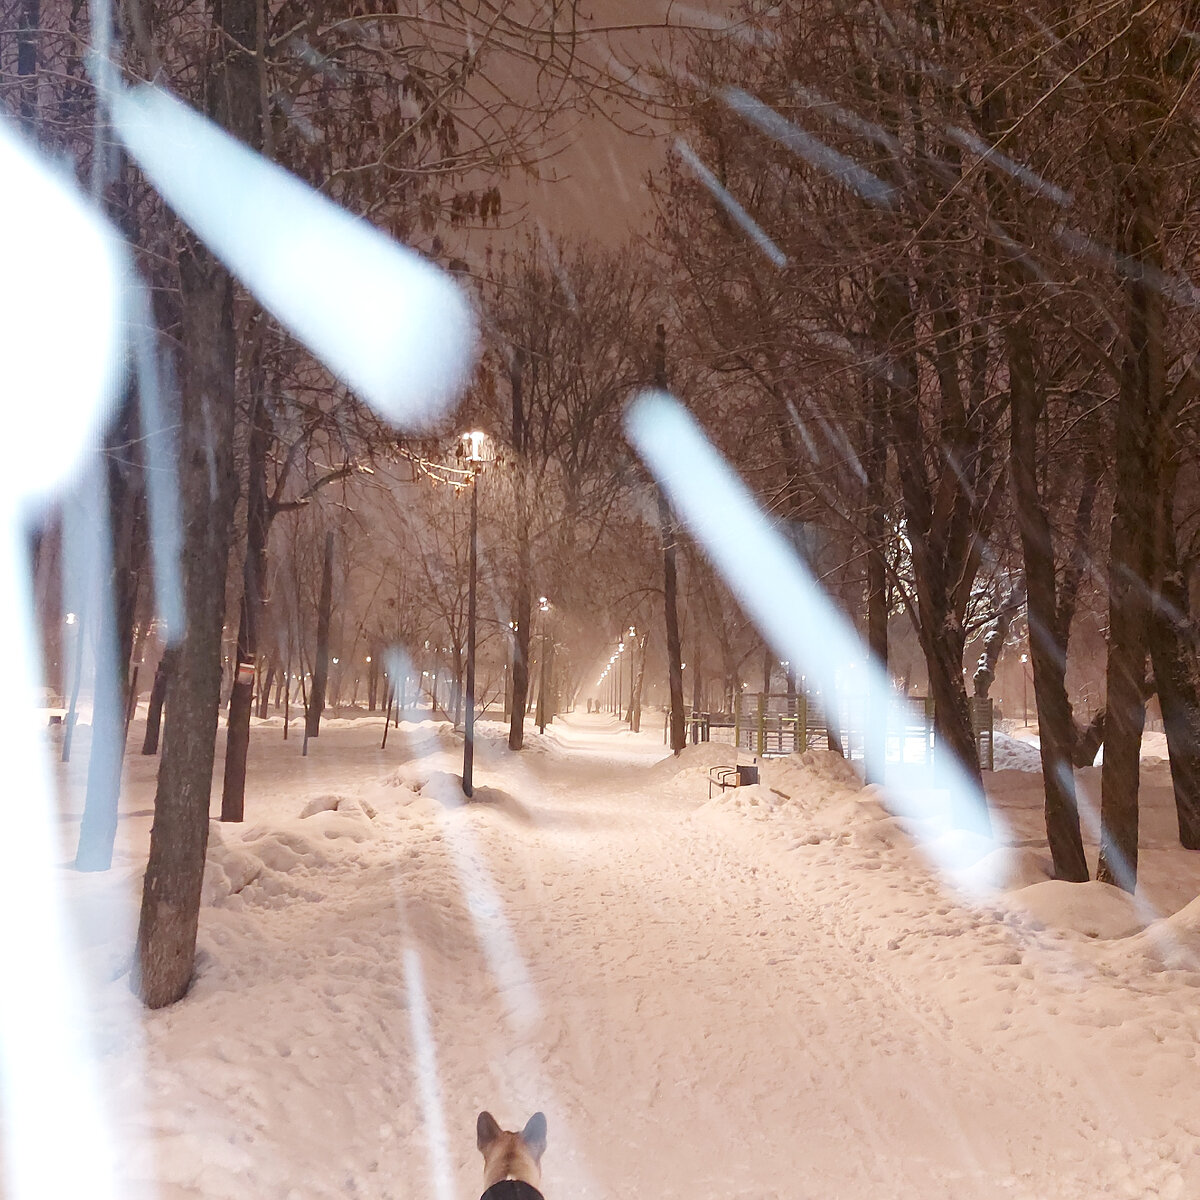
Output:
[[508, 1155]]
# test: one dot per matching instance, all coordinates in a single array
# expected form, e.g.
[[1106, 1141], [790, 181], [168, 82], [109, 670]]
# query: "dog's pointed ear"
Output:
[[487, 1130], [534, 1135]]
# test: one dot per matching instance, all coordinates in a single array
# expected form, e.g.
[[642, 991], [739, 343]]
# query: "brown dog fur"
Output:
[[509, 1155]]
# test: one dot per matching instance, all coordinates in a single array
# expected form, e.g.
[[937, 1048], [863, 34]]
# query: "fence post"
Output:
[[762, 723]]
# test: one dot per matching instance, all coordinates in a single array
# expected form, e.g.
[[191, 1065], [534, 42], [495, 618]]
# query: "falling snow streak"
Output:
[[729, 204], [381, 318], [1034, 182], [429, 1083], [791, 610], [845, 170], [156, 413], [848, 120], [72, 274]]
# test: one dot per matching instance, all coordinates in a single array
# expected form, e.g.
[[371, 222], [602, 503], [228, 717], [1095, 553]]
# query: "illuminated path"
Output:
[[720, 1011]]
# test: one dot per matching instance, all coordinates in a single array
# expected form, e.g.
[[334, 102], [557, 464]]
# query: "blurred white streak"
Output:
[[60, 319], [1032, 180], [156, 411], [492, 928], [1177, 288], [396, 329], [848, 120], [60, 313], [429, 1085], [729, 204], [845, 170], [944, 806]]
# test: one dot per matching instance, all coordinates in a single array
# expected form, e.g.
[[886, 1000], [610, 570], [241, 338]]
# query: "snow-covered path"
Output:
[[705, 1006]]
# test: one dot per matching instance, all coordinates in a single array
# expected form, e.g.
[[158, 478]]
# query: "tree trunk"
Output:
[[250, 616], [208, 484], [1135, 492], [523, 595], [158, 695], [28, 24], [166, 943], [1173, 655], [316, 699], [674, 652], [670, 582], [875, 467], [636, 722], [1047, 645], [264, 694]]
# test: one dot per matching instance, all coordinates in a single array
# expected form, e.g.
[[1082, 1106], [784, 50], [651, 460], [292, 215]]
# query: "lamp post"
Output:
[[544, 609], [1025, 690], [470, 449], [620, 676], [632, 634]]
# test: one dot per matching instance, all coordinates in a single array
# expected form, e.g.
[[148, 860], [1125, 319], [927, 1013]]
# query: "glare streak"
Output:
[[160, 468], [492, 929], [72, 271], [870, 187], [729, 204], [792, 612], [429, 1085], [48, 1075], [381, 318], [849, 120], [1031, 179]]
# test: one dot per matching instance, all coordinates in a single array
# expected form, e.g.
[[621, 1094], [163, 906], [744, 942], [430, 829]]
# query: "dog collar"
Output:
[[512, 1189]]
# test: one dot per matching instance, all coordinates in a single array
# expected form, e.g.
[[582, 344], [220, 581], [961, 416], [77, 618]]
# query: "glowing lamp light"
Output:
[[472, 447]]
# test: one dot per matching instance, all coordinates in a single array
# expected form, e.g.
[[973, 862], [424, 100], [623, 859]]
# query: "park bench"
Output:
[[727, 777]]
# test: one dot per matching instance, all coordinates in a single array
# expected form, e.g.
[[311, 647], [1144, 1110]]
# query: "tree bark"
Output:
[[667, 527], [316, 698], [158, 696], [1173, 656], [1047, 646], [671, 612], [523, 593], [1139, 405], [28, 24], [166, 943], [875, 468], [250, 617], [171, 893]]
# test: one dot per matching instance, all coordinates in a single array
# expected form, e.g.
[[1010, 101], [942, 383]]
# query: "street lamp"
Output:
[[471, 449], [544, 609], [1025, 689]]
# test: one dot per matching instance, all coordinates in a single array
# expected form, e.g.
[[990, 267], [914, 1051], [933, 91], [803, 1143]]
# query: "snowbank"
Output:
[[1094, 910], [1013, 754]]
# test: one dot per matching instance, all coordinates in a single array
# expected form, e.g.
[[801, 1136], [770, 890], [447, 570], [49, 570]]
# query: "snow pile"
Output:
[[698, 757], [799, 787], [1172, 943], [1094, 910], [1013, 754], [268, 863]]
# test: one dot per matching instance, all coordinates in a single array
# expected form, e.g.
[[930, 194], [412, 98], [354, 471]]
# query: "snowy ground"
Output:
[[763, 995]]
